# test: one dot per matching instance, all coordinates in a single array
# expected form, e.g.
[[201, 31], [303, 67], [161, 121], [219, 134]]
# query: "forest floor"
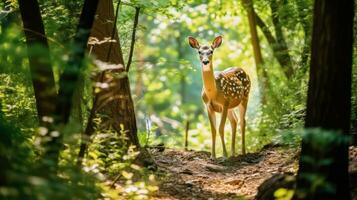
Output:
[[193, 175]]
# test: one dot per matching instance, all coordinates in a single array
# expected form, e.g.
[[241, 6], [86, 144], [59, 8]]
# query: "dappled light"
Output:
[[169, 99]]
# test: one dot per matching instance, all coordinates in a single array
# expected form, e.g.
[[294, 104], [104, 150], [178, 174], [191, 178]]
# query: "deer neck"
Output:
[[209, 82]]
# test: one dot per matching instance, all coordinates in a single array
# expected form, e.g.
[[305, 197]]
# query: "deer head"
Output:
[[205, 52]]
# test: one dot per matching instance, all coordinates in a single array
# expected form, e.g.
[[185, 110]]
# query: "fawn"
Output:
[[222, 92]]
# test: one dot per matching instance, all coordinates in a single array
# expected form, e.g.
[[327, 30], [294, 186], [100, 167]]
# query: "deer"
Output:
[[222, 92]]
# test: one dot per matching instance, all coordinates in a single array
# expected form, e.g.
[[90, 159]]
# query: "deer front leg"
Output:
[[212, 120], [221, 128], [233, 120], [242, 111]]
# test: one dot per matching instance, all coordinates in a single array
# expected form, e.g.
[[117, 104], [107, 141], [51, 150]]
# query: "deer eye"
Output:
[[200, 52]]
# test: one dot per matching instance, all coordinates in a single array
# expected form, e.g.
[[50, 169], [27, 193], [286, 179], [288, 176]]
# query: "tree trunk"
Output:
[[283, 52], [105, 50], [120, 108], [306, 25], [329, 96], [39, 58], [262, 74], [114, 103], [183, 73], [133, 38], [68, 81], [278, 51]]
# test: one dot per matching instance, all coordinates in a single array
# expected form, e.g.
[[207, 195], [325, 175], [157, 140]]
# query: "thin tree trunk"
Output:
[[39, 58], [329, 96], [262, 74], [133, 36], [183, 82], [278, 51], [139, 82], [281, 44], [306, 25], [68, 80]]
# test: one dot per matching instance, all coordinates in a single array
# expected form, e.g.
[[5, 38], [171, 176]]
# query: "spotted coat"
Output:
[[233, 82]]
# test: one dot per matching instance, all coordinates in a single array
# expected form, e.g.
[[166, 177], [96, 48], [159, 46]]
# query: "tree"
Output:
[[306, 25], [329, 96], [283, 53], [278, 42], [114, 103], [39, 58], [248, 4], [68, 80]]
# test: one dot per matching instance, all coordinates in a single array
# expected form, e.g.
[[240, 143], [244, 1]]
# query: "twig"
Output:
[[136, 21], [115, 181], [186, 134]]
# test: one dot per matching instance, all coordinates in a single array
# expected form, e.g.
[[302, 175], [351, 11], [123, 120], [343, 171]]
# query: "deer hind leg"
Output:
[[233, 121], [242, 111], [221, 127], [212, 120]]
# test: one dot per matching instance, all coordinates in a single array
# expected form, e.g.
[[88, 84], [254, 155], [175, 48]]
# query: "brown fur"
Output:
[[233, 85]]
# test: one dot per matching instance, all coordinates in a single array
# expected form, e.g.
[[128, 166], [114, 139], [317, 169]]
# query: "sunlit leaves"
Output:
[[283, 194]]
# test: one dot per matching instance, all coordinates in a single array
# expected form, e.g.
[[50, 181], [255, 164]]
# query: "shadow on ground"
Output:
[[193, 175]]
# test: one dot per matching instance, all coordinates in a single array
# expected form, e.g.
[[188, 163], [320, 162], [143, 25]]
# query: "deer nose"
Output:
[[205, 62]]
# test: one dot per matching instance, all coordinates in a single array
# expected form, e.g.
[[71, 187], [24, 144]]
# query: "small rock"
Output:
[[215, 168]]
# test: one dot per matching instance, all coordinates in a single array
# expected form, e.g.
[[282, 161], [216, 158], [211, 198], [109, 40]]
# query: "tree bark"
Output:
[[133, 36], [121, 107], [306, 25], [39, 58], [278, 52], [183, 73], [329, 95], [114, 104], [103, 35], [68, 81], [262, 74], [281, 44]]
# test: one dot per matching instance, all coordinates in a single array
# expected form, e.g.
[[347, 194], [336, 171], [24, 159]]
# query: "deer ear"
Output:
[[193, 42], [217, 42]]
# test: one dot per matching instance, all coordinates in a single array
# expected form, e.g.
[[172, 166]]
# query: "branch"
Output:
[[136, 21], [268, 35], [276, 48], [113, 31]]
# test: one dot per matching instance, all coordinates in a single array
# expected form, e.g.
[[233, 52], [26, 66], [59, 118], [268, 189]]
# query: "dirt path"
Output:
[[192, 175]]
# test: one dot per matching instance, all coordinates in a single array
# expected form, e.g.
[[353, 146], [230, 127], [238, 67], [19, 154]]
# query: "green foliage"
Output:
[[109, 158], [166, 87], [283, 194]]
